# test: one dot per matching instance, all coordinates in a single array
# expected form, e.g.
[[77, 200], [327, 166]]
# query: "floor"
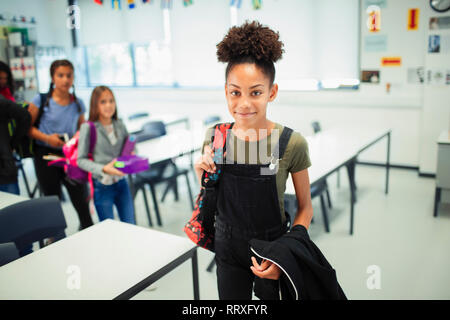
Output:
[[398, 249]]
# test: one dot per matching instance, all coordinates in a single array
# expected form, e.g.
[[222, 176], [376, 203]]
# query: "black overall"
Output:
[[248, 208]]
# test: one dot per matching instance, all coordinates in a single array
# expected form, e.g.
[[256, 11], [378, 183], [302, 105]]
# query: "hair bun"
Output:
[[250, 40]]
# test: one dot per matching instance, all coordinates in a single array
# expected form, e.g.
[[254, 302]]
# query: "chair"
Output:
[[163, 172], [138, 115], [32, 220], [8, 253], [20, 167], [211, 120], [317, 190]]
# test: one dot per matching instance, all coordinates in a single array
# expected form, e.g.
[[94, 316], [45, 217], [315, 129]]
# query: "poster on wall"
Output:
[[378, 3], [437, 23], [434, 44], [436, 76], [416, 75], [413, 19], [375, 43], [370, 76], [374, 18], [391, 61]]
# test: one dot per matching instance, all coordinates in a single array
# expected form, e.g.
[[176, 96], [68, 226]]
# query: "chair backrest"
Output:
[[211, 120], [8, 253], [138, 115], [32, 220], [316, 126], [151, 130]]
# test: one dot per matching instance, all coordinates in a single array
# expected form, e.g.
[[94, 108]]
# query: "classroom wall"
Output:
[[415, 112], [401, 109]]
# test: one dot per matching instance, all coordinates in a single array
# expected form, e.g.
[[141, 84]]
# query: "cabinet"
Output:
[[442, 192]]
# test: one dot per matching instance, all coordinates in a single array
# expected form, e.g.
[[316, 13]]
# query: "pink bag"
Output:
[[69, 161]]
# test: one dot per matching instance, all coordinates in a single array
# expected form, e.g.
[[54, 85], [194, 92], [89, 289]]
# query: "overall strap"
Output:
[[283, 141]]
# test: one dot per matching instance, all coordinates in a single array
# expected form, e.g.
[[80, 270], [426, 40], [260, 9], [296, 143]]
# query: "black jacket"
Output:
[[306, 274], [11, 111]]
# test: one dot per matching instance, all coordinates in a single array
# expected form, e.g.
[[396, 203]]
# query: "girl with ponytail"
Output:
[[61, 115], [250, 203]]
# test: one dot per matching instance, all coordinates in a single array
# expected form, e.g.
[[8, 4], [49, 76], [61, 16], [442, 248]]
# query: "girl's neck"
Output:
[[60, 94], [262, 129], [105, 121]]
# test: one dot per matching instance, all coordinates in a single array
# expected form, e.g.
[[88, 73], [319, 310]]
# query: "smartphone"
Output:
[[64, 137]]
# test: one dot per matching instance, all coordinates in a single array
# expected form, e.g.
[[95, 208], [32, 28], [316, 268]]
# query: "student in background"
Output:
[[110, 185], [8, 170], [62, 113], [6, 82]]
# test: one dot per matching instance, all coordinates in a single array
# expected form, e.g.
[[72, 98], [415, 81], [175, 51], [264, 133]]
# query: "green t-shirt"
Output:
[[295, 158]]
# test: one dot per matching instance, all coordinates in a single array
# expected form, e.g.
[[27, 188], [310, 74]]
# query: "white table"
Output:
[[357, 139], [135, 125], [335, 148], [172, 145], [110, 260]]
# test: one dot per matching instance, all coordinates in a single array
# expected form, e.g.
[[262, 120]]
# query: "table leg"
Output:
[[437, 199], [350, 170], [195, 275], [388, 162], [133, 193]]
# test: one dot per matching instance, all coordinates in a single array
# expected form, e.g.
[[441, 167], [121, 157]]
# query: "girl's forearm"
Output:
[[303, 217], [37, 135]]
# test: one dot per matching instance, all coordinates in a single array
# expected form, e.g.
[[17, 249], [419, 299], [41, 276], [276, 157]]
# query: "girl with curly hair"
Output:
[[259, 156]]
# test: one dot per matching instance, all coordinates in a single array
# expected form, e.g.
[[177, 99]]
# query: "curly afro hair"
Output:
[[251, 43]]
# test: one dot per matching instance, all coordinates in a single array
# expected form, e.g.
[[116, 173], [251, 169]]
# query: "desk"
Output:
[[112, 260], [135, 125], [442, 191], [333, 149], [356, 139], [173, 145]]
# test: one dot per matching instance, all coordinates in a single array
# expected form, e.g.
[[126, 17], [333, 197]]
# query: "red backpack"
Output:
[[200, 228]]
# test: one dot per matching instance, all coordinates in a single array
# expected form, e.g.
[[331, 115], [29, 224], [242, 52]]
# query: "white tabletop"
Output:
[[356, 138], [136, 124], [7, 199], [331, 148], [169, 146], [109, 257], [326, 155]]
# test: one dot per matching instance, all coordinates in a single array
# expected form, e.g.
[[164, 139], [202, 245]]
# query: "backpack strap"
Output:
[[92, 142], [219, 140], [92, 137], [43, 97], [219, 145]]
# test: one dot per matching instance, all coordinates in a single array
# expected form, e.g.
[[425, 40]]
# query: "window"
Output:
[[44, 58], [110, 64], [153, 64]]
